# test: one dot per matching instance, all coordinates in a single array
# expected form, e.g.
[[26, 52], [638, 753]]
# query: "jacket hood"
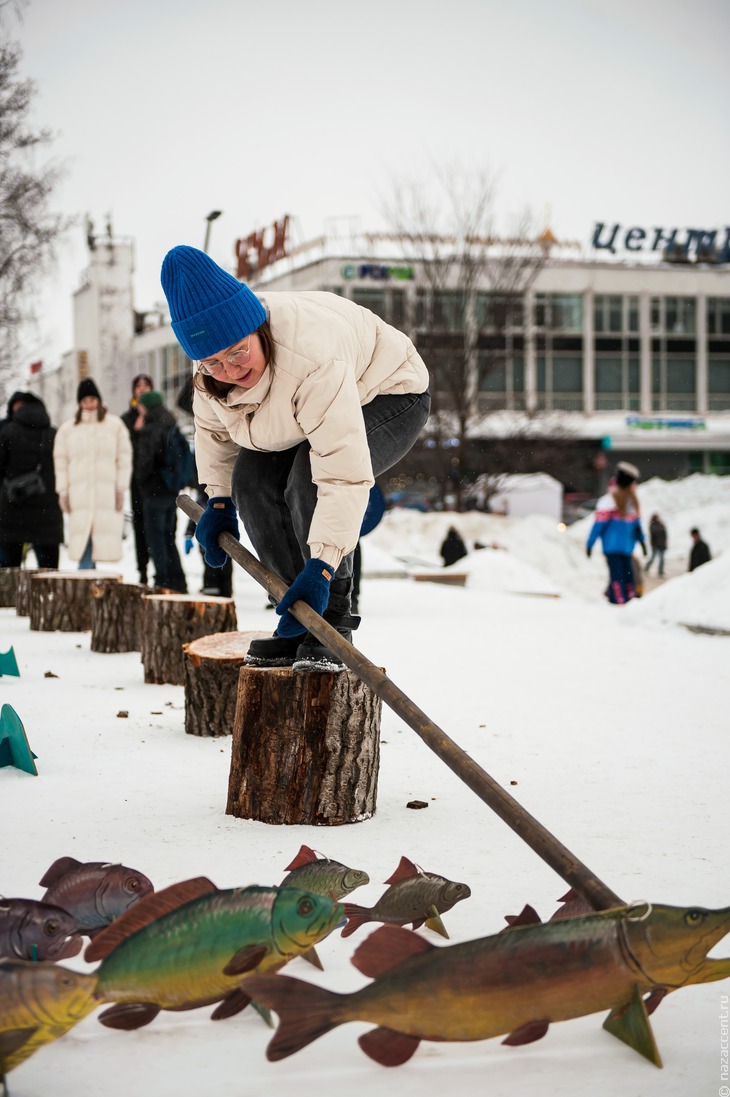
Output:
[[26, 397], [32, 414]]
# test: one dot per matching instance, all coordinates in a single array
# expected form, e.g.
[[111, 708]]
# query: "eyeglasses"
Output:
[[234, 360]]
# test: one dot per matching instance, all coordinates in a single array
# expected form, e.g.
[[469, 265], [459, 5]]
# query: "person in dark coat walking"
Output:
[[26, 444], [217, 581], [134, 421], [452, 547], [700, 553], [158, 503], [658, 542]]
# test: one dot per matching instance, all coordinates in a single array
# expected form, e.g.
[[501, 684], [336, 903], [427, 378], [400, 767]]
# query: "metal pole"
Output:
[[545, 844]]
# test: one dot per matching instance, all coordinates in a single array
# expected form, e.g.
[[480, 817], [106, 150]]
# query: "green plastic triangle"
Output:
[[14, 746], [8, 663]]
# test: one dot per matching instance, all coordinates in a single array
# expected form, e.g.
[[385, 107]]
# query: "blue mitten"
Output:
[[218, 517], [188, 545], [312, 585]]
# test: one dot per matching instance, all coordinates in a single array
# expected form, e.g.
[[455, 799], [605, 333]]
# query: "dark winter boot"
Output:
[[273, 651], [313, 655]]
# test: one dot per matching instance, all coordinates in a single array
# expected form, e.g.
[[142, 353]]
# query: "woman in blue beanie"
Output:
[[300, 400]]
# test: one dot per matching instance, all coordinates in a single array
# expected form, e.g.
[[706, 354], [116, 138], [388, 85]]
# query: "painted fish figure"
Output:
[[190, 945], [414, 896], [33, 930], [39, 1003], [323, 876], [516, 982], [95, 893]]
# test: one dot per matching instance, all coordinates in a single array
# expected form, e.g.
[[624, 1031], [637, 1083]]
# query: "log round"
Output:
[[116, 616], [211, 667], [171, 620], [8, 585], [60, 601], [22, 590], [306, 748]]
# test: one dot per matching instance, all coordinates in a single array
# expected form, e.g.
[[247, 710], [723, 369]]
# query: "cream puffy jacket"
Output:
[[93, 461], [330, 357]]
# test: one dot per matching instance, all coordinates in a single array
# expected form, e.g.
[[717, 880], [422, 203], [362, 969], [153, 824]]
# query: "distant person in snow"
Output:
[[700, 553], [452, 547], [658, 542], [618, 525]]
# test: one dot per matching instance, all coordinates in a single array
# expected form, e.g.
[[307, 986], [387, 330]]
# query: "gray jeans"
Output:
[[275, 495]]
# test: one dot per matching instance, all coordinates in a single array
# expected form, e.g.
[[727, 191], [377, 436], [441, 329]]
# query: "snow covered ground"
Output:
[[608, 724]]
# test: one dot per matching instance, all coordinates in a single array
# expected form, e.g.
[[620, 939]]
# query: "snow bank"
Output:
[[699, 599]]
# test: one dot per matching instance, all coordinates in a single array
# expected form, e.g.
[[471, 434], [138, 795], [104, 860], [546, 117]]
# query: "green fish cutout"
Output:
[[192, 945]]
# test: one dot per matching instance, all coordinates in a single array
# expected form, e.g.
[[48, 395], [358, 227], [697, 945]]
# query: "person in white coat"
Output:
[[93, 461]]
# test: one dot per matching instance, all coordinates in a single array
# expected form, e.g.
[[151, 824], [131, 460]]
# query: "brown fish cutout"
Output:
[[95, 892], [414, 896]]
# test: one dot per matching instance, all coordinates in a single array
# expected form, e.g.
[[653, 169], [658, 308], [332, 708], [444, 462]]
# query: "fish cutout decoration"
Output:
[[95, 893], [14, 746], [192, 945], [33, 930], [312, 872], [414, 896], [513, 984], [38, 1003]]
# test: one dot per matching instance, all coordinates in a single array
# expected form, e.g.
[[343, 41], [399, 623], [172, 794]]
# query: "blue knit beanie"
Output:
[[209, 308]]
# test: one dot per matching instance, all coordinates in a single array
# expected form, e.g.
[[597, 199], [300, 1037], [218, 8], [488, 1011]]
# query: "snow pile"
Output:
[[541, 557], [492, 569], [699, 599]]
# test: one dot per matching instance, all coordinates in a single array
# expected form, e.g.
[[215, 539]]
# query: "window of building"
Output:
[[373, 299], [560, 382], [559, 311], [499, 311], [673, 383], [718, 315], [718, 384], [501, 380], [615, 314], [616, 382], [674, 315]]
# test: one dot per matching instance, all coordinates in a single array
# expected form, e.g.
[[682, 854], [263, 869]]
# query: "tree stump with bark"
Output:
[[211, 667], [8, 586], [116, 616], [171, 620], [306, 748], [60, 601], [22, 590]]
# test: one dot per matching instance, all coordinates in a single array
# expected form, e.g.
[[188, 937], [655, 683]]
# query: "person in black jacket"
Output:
[[26, 445], [217, 581], [134, 421], [700, 553], [158, 503], [658, 542], [452, 547]]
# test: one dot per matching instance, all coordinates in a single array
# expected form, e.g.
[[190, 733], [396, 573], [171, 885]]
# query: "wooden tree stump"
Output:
[[306, 748], [211, 667], [8, 585], [171, 620], [117, 616], [60, 601], [22, 590]]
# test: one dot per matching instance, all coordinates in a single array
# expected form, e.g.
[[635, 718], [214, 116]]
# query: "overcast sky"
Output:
[[164, 110]]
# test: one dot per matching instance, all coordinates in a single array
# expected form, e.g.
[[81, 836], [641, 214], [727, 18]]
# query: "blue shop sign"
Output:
[[380, 272]]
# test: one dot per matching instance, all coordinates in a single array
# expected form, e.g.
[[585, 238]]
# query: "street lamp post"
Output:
[[212, 216]]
